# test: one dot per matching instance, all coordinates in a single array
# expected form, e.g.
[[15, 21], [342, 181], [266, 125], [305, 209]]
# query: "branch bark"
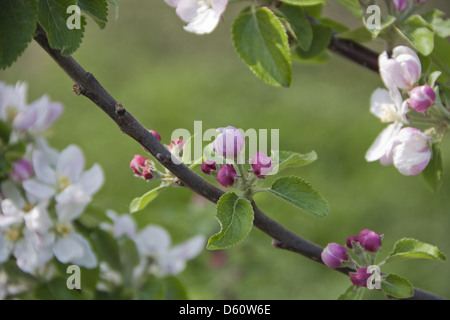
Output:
[[87, 85]]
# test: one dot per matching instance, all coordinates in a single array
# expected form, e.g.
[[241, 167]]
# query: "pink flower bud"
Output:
[[142, 167], [420, 1], [370, 240], [229, 142], [226, 175], [177, 143], [360, 278], [261, 164], [421, 98], [399, 5], [402, 70], [350, 241], [411, 153], [155, 134], [208, 166], [22, 170], [334, 255]]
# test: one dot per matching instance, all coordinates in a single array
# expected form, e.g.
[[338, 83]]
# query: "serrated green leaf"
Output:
[[236, 219], [304, 3], [360, 35], [53, 18], [299, 24], [352, 293], [288, 159], [17, 27], [301, 194], [408, 248], [416, 31], [115, 8], [262, 43], [397, 287], [96, 9], [353, 6], [437, 23], [321, 39], [434, 171], [141, 202]]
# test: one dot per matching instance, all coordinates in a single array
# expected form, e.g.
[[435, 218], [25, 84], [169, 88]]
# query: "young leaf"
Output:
[[5, 131], [305, 3], [97, 9], [360, 35], [236, 219], [416, 31], [141, 202], [434, 171], [17, 26], [441, 54], [397, 287], [353, 6], [299, 23], [439, 25], [413, 249], [321, 39], [262, 43], [301, 194], [288, 159], [352, 293], [53, 18]]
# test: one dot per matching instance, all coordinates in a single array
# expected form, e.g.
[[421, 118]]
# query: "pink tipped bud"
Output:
[[350, 241], [177, 143], [421, 98], [226, 175], [229, 142], [334, 255], [22, 170], [360, 278], [399, 5], [208, 166], [261, 164], [370, 240], [420, 1], [155, 134], [142, 167]]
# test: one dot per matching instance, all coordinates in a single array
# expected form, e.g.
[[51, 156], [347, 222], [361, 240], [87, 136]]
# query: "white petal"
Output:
[[172, 3], [205, 22], [41, 166], [219, 6], [10, 190], [92, 180], [153, 240], [187, 9], [38, 219], [88, 258], [383, 143], [70, 163], [11, 214], [38, 189], [380, 101], [72, 205], [190, 248], [68, 249], [124, 225]]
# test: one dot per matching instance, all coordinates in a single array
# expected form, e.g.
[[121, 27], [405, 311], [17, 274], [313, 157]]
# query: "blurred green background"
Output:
[[168, 78]]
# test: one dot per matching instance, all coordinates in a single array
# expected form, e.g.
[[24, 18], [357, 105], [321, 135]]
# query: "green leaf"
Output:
[[17, 26], [397, 287], [441, 54], [288, 159], [352, 293], [320, 58], [434, 171], [129, 257], [92, 217], [141, 202], [304, 3], [408, 248], [236, 219], [321, 39], [262, 43], [5, 132], [416, 31], [15, 151], [360, 35], [301, 194], [333, 24], [96, 9], [353, 6], [53, 18], [299, 24], [115, 8], [57, 289], [439, 25]]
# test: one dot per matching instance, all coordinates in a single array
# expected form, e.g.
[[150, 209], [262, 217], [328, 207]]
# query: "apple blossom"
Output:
[[411, 153], [226, 175], [201, 16], [208, 166], [369, 240], [142, 167], [261, 164], [359, 279], [399, 5], [229, 143], [421, 98], [22, 170]]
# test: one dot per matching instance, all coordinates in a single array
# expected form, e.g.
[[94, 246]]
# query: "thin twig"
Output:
[[86, 84]]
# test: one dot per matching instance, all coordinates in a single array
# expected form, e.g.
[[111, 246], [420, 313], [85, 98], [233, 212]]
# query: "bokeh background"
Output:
[[168, 78]]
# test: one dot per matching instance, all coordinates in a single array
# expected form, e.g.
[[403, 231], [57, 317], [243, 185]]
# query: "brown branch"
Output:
[[86, 84]]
